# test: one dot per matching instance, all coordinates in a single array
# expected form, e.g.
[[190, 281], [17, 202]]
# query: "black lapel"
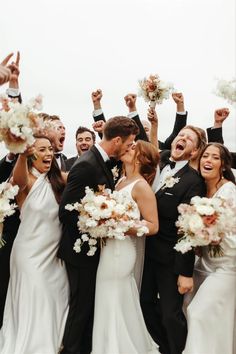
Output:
[[107, 172], [178, 174]]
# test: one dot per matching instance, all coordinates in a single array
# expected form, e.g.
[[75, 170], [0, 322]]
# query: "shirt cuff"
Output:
[[13, 92], [132, 114], [97, 112], [181, 113], [8, 160]]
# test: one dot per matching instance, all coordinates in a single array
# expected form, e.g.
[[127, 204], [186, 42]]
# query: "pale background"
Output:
[[71, 47]]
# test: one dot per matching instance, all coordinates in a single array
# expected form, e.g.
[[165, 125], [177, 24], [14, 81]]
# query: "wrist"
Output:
[[217, 125], [97, 105], [180, 107]]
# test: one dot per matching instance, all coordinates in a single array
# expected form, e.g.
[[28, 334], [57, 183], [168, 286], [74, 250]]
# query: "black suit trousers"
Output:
[[162, 307], [78, 330]]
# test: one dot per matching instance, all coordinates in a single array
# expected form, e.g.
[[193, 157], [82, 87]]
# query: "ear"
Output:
[[117, 140], [193, 152]]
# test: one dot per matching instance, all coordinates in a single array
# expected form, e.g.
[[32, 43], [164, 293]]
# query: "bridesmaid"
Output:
[[211, 314], [37, 298]]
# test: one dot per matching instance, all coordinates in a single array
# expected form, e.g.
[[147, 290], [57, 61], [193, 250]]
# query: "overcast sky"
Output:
[[71, 47]]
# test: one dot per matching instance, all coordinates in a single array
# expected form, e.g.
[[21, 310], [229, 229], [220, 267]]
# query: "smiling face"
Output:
[[184, 145], [84, 141], [44, 153], [211, 163]]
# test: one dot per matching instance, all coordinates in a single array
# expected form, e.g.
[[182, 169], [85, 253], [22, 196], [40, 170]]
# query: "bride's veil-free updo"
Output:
[[148, 157]]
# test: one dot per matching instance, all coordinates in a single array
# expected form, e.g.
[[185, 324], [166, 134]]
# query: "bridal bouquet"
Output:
[[19, 124], [105, 214], [204, 221], [154, 90], [7, 192], [227, 90]]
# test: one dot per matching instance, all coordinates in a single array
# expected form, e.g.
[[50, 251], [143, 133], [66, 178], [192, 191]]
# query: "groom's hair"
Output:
[[120, 126]]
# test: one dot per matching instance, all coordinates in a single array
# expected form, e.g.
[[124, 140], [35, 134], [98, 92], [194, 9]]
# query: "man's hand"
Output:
[[15, 72], [220, 115], [5, 71], [185, 284], [96, 98], [130, 101], [179, 100], [98, 126]]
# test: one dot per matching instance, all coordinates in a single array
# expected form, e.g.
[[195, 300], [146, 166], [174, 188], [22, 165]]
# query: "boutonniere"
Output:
[[170, 181], [115, 172]]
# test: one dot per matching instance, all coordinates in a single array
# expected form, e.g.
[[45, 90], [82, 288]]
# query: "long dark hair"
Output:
[[226, 161], [54, 174]]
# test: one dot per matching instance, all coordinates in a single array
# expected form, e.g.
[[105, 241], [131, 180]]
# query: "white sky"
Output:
[[71, 47]]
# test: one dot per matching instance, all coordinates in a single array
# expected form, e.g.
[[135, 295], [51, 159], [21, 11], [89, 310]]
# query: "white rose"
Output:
[[195, 223]]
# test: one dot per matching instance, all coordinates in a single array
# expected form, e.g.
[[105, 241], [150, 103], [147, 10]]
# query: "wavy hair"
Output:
[[148, 157]]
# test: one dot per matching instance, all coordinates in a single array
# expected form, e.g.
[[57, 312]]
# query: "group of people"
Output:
[[134, 296]]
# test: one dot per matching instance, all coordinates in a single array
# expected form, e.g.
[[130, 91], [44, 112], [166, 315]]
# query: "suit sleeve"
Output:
[[215, 135], [184, 263], [5, 169], [180, 122], [75, 191], [142, 134], [97, 118]]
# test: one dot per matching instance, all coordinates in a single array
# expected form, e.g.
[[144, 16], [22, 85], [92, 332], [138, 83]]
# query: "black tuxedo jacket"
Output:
[[160, 246], [70, 162], [6, 169], [90, 170]]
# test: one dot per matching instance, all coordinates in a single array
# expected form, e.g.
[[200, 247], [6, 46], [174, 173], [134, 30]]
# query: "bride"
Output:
[[38, 293], [119, 326]]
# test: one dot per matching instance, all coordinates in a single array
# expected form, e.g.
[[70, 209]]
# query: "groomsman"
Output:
[[89, 170], [85, 139], [168, 274]]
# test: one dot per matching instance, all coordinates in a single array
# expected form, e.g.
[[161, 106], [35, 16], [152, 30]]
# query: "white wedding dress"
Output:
[[37, 299], [211, 314], [119, 326]]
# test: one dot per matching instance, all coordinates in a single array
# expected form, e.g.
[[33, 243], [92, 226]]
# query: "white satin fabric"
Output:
[[37, 299], [211, 314], [119, 326]]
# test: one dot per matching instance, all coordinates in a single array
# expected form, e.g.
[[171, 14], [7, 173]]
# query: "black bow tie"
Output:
[[172, 164], [57, 155], [168, 162]]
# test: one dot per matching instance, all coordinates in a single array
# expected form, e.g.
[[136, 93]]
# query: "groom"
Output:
[[167, 273], [90, 170]]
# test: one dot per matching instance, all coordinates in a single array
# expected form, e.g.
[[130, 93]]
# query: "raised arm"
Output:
[[130, 101], [215, 134], [20, 175], [97, 108], [153, 119], [13, 90], [180, 120]]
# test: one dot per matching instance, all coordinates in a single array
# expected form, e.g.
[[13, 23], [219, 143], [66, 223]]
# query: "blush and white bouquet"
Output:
[[19, 124], [7, 193], [154, 90], [105, 214], [203, 221], [227, 90]]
